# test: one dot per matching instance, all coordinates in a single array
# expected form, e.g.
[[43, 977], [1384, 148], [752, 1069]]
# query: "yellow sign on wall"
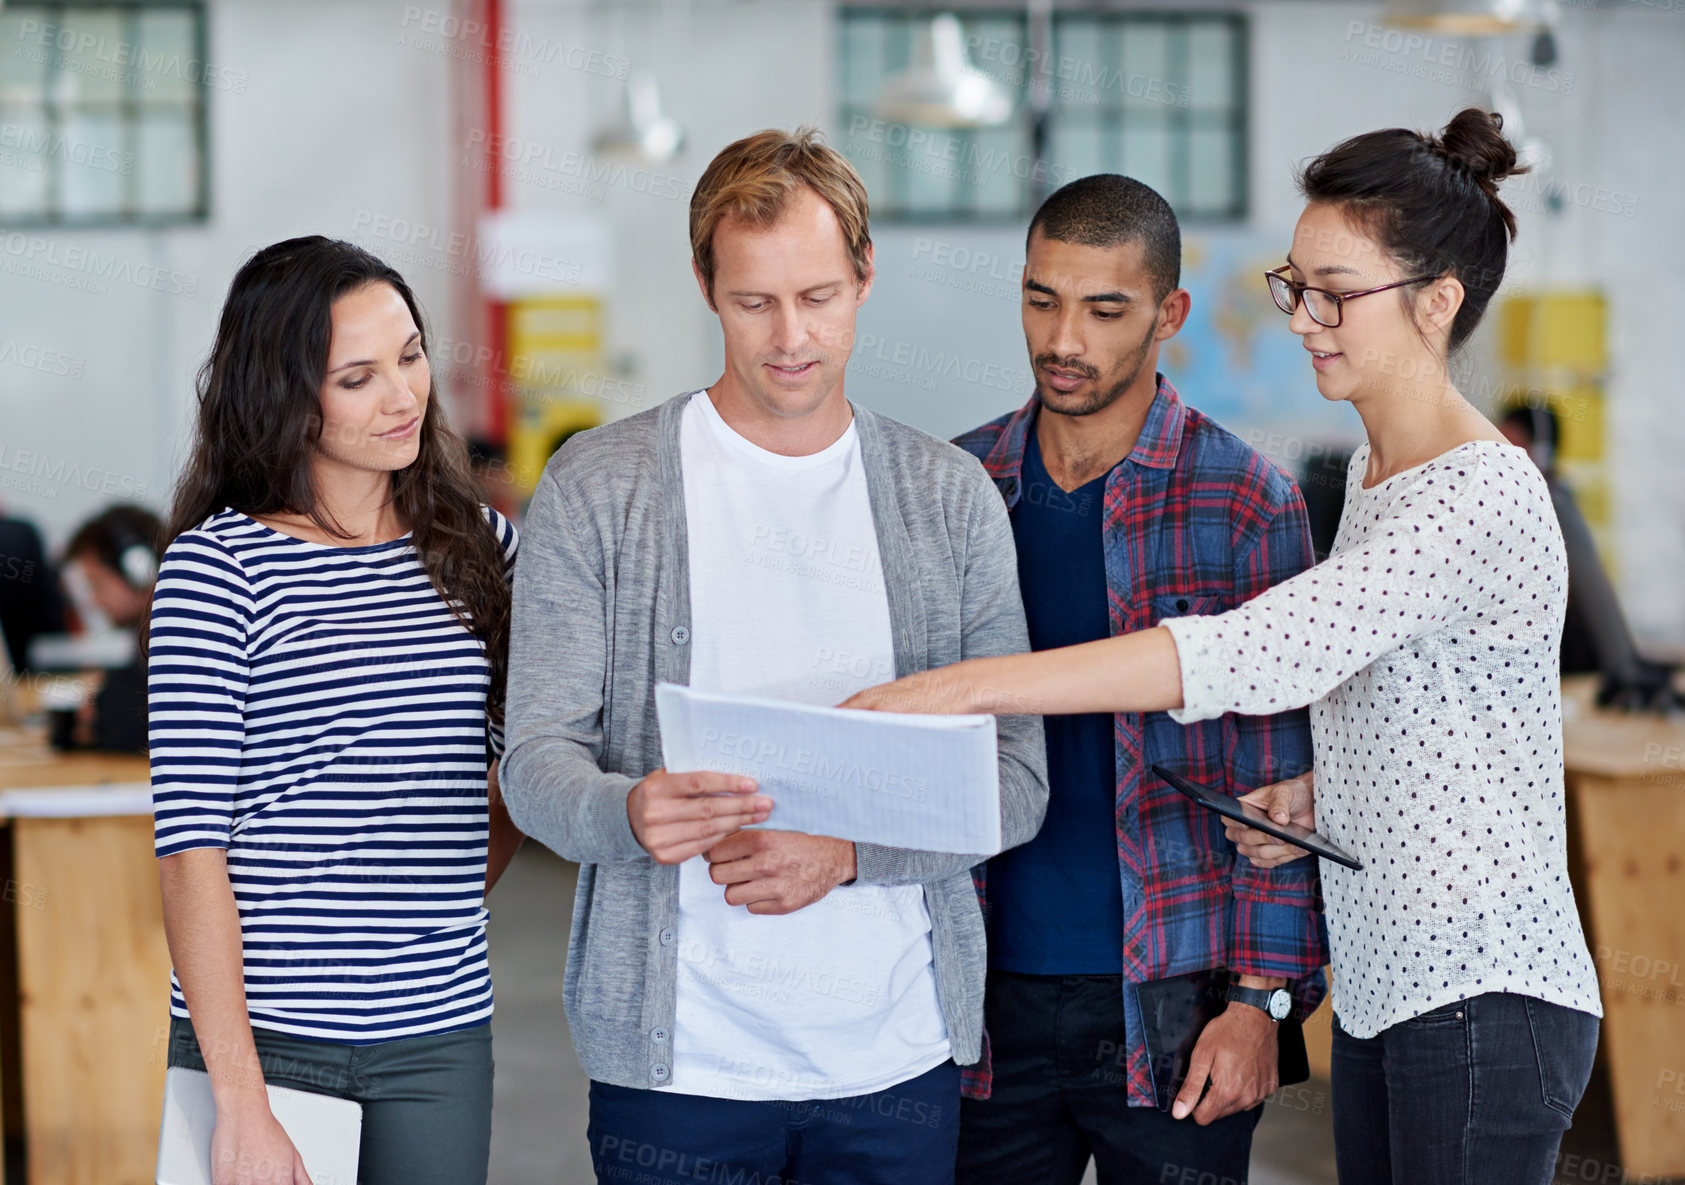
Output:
[[558, 366]]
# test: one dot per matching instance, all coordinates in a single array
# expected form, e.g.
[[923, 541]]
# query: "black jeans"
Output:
[[1474, 1093], [1060, 1097], [426, 1100]]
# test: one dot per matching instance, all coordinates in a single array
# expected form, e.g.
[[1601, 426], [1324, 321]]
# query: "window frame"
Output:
[[1238, 116], [128, 108]]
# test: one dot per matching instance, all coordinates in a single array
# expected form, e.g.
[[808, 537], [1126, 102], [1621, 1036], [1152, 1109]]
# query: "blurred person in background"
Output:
[[328, 647], [31, 600], [1595, 633], [1537, 428], [115, 554]]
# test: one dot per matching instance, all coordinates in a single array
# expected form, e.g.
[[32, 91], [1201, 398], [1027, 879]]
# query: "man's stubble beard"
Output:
[[1105, 398]]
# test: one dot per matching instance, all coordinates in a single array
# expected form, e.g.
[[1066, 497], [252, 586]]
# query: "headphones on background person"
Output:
[[117, 541], [136, 561]]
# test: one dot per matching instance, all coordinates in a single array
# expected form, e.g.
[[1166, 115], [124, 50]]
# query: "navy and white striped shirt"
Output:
[[321, 713]]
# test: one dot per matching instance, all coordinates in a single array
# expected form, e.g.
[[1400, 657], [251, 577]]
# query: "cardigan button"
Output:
[[681, 635]]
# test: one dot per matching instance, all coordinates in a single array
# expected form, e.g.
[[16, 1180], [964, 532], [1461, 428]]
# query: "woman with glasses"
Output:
[[1465, 999], [328, 646]]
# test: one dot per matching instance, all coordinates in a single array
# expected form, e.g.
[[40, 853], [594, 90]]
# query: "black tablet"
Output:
[[1252, 816], [1174, 1011]]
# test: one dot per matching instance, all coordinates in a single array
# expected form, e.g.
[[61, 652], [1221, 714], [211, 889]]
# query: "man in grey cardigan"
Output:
[[759, 1005]]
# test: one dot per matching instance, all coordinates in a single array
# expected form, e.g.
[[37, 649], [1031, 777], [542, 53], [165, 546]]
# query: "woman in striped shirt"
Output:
[[327, 648]]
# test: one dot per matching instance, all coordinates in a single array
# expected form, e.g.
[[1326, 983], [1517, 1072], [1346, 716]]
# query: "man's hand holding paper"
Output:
[[773, 872], [679, 815], [925, 783]]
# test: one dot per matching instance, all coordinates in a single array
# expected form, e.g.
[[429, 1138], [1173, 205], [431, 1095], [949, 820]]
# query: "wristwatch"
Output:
[[1276, 1003]]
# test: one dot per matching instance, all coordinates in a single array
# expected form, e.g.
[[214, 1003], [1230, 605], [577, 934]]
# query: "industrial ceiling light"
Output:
[[1470, 18], [941, 89], [643, 133]]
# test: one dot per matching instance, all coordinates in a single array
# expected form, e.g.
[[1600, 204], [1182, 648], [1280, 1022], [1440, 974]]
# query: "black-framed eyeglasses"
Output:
[[1326, 308]]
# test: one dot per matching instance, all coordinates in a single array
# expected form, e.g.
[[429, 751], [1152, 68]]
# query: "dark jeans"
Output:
[[900, 1136], [1060, 1096], [426, 1100], [1474, 1093]]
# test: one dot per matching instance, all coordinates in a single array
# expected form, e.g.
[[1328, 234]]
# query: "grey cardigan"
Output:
[[602, 613]]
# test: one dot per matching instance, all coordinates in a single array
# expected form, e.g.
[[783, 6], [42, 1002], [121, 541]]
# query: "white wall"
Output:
[[346, 119], [1634, 144]]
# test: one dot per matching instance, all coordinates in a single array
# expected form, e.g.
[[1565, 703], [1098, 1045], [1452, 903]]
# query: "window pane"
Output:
[[996, 46], [1211, 66], [928, 170], [23, 162], [1211, 176], [899, 36], [1077, 147], [1148, 155], [84, 189], [168, 172], [996, 169], [23, 60], [98, 61], [91, 159], [862, 60], [867, 155], [1082, 63], [167, 62], [1146, 64]]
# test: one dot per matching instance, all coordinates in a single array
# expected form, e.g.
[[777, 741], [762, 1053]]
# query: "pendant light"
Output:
[[941, 89]]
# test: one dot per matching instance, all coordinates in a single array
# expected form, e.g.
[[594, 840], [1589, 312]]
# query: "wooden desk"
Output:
[[1625, 778], [83, 1072], [1626, 851]]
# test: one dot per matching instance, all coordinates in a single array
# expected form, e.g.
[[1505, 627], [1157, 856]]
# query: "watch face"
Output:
[[1280, 1004]]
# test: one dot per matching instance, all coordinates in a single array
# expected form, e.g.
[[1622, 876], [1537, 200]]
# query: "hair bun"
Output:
[[1474, 140]]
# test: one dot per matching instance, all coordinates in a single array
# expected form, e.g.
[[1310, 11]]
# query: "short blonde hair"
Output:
[[753, 179]]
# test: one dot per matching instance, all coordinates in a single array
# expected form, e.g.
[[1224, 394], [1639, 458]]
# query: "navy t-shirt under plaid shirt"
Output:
[[1193, 522], [320, 712], [1072, 860]]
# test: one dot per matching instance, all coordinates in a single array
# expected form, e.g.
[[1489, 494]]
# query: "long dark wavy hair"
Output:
[[260, 418]]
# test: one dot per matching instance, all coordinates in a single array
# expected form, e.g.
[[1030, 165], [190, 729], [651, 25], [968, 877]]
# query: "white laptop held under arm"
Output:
[[325, 1130]]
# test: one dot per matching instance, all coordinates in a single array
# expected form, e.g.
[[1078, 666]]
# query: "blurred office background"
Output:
[[527, 165]]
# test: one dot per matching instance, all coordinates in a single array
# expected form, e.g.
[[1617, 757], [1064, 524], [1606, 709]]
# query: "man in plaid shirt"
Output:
[[1128, 507]]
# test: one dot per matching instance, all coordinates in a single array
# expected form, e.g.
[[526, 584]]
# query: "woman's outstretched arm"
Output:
[[1132, 673], [1439, 559]]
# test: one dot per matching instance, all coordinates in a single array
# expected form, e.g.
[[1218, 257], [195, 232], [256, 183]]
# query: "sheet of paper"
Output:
[[931, 783]]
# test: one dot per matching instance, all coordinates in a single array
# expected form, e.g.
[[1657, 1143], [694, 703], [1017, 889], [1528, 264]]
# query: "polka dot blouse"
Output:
[[1426, 645]]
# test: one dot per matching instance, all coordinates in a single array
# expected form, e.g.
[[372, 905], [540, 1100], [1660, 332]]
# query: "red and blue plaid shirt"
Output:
[[1195, 522]]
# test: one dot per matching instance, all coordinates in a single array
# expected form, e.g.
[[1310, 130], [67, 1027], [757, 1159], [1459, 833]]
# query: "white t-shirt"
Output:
[[788, 601], [1427, 646]]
